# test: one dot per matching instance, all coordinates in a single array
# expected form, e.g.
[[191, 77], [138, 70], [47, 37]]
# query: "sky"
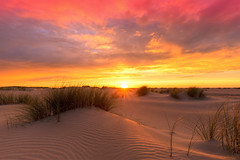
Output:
[[158, 43]]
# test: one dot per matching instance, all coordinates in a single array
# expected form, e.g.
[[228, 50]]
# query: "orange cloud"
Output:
[[158, 45], [218, 61]]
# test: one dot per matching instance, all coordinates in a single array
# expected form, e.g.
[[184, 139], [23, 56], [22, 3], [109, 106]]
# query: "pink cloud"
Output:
[[145, 11], [67, 10]]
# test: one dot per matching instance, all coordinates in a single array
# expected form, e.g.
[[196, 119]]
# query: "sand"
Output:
[[136, 130]]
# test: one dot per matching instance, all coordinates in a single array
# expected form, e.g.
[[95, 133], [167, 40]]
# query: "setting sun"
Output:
[[124, 85]]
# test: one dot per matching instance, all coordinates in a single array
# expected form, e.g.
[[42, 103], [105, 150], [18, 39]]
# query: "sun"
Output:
[[124, 85]]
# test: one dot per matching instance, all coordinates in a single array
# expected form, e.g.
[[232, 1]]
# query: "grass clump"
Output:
[[61, 100], [33, 111], [224, 126], [102, 100], [64, 99], [175, 93], [142, 91], [208, 127], [230, 128], [195, 92], [191, 92], [165, 91], [23, 99], [9, 98]]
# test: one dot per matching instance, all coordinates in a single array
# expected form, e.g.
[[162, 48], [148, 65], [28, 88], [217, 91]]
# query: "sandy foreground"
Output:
[[137, 129]]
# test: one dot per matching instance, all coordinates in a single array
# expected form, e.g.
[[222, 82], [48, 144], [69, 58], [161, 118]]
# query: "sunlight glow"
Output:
[[124, 85]]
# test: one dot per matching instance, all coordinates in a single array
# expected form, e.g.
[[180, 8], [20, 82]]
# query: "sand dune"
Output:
[[136, 130]]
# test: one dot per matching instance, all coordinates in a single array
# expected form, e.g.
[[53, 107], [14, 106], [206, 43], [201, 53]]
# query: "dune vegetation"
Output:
[[224, 126], [61, 100], [174, 92], [195, 92], [9, 98], [58, 100], [142, 91], [192, 92]]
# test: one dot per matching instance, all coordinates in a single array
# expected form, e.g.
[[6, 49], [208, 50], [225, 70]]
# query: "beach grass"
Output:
[[174, 93], [34, 110], [195, 92], [223, 125], [172, 128], [142, 91], [59, 100], [192, 92], [229, 132], [9, 98]]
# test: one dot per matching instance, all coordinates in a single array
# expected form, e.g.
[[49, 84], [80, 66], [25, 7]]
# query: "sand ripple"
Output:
[[86, 134]]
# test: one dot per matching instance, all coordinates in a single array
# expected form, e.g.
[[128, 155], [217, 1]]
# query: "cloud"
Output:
[[196, 26], [42, 43], [67, 11], [156, 36], [211, 27]]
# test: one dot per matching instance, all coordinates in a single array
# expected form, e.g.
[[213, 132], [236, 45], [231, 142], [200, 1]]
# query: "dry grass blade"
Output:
[[191, 141], [172, 129], [208, 128]]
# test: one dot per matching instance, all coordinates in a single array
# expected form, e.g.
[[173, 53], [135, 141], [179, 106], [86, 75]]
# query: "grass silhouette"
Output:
[[142, 91], [59, 100], [195, 92]]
